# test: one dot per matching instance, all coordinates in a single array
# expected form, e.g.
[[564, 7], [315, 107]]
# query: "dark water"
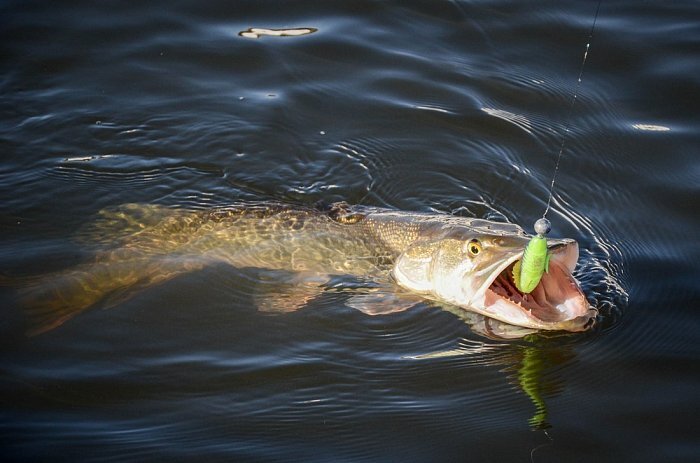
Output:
[[443, 106]]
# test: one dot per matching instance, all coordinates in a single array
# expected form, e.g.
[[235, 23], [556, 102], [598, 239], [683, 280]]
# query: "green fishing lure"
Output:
[[528, 271]]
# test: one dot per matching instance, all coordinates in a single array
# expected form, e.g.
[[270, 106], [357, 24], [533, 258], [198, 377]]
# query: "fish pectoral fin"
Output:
[[383, 302], [290, 295]]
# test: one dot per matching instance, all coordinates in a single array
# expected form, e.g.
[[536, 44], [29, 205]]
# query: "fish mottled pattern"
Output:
[[267, 236], [138, 245]]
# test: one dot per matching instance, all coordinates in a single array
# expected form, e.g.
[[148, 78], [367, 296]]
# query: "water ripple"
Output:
[[452, 107]]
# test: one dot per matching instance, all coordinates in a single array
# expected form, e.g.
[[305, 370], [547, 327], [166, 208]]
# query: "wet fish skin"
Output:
[[139, 245]]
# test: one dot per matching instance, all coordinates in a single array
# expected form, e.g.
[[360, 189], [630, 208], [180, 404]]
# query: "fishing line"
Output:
[[546, 444], [571, 109], [528, 271]]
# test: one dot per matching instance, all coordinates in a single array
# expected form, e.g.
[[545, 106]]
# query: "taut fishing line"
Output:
[[528, 271], [571, 109]]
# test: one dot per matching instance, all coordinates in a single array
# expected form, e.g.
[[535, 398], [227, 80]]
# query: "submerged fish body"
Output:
[[459, 261]]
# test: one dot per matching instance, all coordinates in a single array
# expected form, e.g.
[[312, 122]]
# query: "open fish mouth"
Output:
[[557, 302]]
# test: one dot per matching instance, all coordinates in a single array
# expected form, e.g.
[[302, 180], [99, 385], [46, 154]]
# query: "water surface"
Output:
[[449, 106]]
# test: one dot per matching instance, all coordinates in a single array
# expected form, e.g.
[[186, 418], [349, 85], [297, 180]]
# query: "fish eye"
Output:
[[474, 247]]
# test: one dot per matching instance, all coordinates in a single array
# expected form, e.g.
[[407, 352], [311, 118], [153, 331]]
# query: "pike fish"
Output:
[[465, 264]]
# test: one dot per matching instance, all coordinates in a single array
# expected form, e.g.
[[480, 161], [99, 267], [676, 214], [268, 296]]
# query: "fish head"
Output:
[[471, 266]]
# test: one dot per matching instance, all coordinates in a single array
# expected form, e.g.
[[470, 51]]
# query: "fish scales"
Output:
[[448, 259]]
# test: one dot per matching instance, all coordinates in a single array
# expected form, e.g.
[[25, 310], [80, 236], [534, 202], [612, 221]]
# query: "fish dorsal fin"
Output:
[[342, 212], [412, 268]]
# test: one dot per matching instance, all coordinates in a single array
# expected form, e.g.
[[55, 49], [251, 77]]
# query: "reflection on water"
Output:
[[536, 378], [520, 121], [531, 366]]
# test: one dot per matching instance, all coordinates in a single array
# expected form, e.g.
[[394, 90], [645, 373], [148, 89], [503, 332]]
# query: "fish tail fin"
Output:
[[51, 300]]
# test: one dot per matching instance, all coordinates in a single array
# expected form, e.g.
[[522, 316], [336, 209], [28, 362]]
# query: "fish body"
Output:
[[459, 261]]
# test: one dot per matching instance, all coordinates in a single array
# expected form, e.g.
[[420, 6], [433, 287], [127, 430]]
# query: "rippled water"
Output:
[[447, 106]]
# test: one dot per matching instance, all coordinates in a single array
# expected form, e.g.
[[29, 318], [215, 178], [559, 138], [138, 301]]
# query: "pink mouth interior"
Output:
[[556, 298]]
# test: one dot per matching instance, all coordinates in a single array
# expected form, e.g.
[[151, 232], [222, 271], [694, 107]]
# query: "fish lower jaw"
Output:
[[563, 316], [557, 303], [509, 312]]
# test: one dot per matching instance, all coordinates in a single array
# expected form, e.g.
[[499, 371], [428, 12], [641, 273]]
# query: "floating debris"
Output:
[[94, 157], [651, 127], [256, 32]]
